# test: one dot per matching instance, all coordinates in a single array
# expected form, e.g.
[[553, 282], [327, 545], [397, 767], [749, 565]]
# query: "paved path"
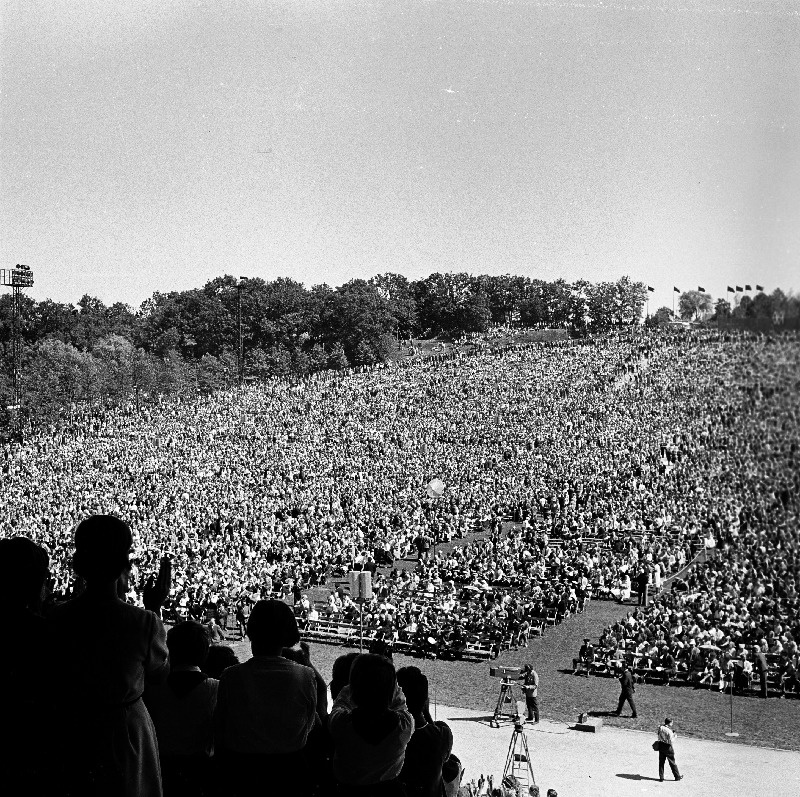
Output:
[[622, 763]]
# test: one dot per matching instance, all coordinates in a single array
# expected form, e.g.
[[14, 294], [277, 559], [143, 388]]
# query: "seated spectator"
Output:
[[431, 742], [370, 726], [340, 675], [266, 709], [182, 710], [219, 658]]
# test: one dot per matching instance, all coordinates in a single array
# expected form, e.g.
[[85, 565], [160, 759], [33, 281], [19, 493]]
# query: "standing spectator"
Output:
[[108, 651], [266, 708], [431, 743], [530, 685], [666, 750], [642, 581], [370, 726], [761, 668], [627, 687], [182, 710], [23, 572]]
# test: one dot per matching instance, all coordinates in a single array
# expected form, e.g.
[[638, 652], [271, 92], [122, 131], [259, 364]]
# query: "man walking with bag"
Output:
[[666, 751]]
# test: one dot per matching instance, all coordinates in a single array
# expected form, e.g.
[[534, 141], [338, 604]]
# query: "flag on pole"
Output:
[[731, 290], [759, 287], [677, 290], [739, 289], [748, 288], [702, 290], [652, 290]]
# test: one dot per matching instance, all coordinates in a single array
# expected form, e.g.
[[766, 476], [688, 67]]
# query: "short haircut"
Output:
[[667, 721], [102, 545], [372, 682], [220, 657], [414, 684], [188, 644], [272, 625], [23, 572], [340, 675]]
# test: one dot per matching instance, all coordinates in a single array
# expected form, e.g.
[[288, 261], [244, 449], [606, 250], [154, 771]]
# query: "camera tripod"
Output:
[[518, 761], [507, 695]]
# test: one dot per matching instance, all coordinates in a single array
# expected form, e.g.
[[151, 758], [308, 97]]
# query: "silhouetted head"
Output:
[[23, 572], [414, 684], [102, 545], [372, 683], [271, 627], [188, 644], [340, 675], [219, 658]]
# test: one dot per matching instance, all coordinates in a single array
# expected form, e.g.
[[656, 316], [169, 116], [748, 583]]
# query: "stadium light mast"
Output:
[[240, 351], [17, 278]]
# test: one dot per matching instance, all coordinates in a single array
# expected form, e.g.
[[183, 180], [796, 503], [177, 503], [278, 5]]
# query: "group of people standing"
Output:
[[144, 720]]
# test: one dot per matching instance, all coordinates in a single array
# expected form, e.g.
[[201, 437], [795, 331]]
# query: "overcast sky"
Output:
[[154, 145]]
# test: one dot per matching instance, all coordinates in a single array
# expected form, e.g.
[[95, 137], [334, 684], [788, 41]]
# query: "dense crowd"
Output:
[[616, 459], [733, 621], [601, 447]]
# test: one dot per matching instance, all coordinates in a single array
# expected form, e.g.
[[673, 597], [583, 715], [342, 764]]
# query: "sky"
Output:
[[155, 145]]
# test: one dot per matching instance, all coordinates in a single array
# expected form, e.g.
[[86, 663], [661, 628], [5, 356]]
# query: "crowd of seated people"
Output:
[[277, 487], [145, 719], [614, 456], [732, 622]]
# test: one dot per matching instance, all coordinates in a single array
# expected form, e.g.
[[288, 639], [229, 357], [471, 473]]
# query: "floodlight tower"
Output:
[[18, 278]]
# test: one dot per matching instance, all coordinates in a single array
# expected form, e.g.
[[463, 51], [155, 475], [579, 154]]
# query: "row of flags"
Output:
[[738, 289]]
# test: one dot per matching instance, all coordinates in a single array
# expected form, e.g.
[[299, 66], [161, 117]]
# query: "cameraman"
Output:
[[530, 685]]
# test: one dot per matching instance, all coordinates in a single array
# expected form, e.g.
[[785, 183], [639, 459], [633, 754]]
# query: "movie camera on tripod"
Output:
[[507, 700], [518, 771]]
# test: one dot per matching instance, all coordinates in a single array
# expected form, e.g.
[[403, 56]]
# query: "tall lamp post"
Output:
[[18, 278], [240, 350]]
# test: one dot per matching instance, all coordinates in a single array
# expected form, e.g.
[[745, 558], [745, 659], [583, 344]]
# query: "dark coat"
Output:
[[626, 682]]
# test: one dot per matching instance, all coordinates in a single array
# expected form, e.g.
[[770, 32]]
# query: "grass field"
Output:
[[699, 713]]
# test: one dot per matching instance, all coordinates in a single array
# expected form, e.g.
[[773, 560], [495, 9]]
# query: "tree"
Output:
[[56, 375], [722, 309], [358, 317], [661, 316], [398, 292], [694, 303]]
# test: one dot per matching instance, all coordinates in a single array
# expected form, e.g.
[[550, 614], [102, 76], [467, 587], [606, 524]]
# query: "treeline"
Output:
[[188, 340]]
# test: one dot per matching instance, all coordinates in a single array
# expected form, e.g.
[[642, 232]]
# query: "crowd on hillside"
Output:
[[604, 452], [733, 622]]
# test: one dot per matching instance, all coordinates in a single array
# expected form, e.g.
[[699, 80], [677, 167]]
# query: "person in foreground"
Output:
[[108, 651], [666, 750], [182, 710], [431, 743], [265, 711], [370, 726]]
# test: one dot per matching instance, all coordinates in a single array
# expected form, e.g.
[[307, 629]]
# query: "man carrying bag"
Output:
[[666, 751]]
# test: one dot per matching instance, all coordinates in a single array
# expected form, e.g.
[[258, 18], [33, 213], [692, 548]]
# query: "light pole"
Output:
[[240, 350], [18, 278]]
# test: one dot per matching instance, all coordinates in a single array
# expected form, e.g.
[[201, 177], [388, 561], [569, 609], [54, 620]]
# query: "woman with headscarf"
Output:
[[108, 650], [370, 726]]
